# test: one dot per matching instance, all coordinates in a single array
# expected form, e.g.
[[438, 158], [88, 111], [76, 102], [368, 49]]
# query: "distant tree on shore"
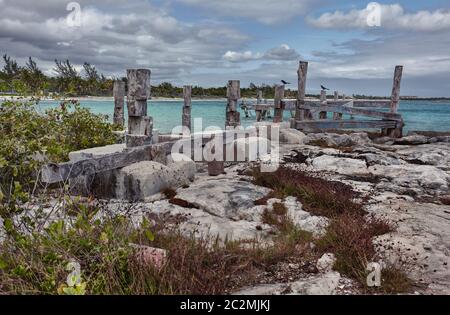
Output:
[[29, 79]]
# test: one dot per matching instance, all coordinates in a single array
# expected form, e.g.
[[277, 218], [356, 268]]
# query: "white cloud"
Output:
[[133, 34], [264, 11], [283, 52], [234, 56], [393, 16]]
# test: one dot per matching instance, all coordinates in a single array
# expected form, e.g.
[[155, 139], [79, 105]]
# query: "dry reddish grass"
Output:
[[350, 233], [445, 200], [318, 196]]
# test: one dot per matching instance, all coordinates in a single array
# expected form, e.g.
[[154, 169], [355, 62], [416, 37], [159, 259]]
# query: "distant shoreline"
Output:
[[111, 99], [206, 99]]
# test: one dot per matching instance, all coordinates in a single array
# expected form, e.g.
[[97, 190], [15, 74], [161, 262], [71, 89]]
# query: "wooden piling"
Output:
[[337, 116], [301, 114], [258, 110], [139, 124], [278, 106], [395, 100], [395, 96], [186, 117], [119, 99], [233, 117], [323, 100]]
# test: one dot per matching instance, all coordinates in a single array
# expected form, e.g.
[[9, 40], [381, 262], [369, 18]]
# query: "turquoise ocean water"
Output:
[[418, 115]]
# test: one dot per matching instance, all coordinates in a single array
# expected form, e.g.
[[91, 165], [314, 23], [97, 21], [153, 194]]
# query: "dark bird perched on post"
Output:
[[324, 88], [284, 82]]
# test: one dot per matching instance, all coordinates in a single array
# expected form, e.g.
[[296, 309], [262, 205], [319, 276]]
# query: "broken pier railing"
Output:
[[312, 114]]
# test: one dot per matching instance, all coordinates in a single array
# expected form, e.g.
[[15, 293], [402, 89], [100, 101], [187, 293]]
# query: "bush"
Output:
[[28, 139]]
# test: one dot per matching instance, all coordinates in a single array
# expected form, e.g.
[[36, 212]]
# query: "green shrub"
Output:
[[28, 139]]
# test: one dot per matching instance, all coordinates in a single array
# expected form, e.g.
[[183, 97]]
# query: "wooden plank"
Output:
[[54, 173], [186, 116], [355, 111], [291, 104], [278, 105], [302, 75], [119, 99], [372, 103], [338, 124]]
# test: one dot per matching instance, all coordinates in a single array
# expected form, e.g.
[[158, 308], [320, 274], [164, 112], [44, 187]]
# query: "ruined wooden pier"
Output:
[[310, 115]]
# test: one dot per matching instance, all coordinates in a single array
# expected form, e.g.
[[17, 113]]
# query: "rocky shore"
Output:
[[405, 181]]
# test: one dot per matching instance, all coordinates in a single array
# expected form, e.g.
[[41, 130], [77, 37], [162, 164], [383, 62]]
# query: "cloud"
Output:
[[393, 17], [264, 11], [282, 53], [234, 56], [114, 36]]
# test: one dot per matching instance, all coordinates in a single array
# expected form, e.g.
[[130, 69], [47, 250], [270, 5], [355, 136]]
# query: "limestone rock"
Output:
[[140, 180], [150, 256], [322, 284], [264, 289], [412, 140], [224, 197], [202, 223], [325, 284], [421, 241], [302, 219], [413, 178], [338, 140], [339, 165], [326, 263], [251, 148], [292, 136], [437, 154]]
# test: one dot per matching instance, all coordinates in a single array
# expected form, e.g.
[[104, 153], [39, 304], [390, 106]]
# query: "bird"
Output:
[[324, 88], [284, 82]]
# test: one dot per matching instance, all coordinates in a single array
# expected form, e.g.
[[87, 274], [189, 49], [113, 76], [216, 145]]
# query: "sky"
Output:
[[351, 46]]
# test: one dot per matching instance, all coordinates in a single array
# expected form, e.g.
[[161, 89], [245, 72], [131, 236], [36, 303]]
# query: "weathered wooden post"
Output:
[[278, 106], [186, 117], [139, 124], [233, 117], [300, 113], [119, 99], [395, 96], [395, 100], [258, 110], [337, 116], [323, 101]]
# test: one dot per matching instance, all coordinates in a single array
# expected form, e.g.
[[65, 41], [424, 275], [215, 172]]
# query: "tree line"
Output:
[[68, 81]]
